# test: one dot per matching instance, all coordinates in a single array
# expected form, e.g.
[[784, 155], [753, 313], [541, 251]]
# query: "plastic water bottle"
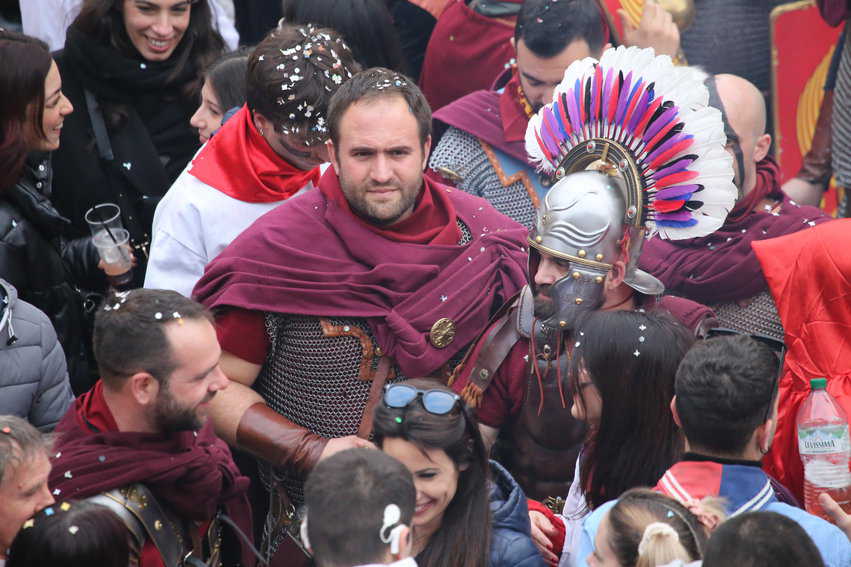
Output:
[[825, 449]]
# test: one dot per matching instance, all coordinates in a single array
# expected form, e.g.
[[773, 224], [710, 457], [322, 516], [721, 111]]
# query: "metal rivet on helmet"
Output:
[[599, 257], [562, 324], [576, 275], [578, 301]]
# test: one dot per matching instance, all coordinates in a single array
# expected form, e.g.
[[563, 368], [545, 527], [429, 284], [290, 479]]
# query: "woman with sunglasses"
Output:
[[622, 378], [469, 512]]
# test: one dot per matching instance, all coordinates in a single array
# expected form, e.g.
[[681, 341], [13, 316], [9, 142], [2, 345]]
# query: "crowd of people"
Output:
[[445, 283]]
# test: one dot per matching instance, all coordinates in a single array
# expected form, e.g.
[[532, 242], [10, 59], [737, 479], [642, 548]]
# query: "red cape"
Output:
[[312, 256], [240, 163], [191, 472], [808, 275]]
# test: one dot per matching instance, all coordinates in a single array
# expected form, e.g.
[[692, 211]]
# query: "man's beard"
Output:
[[170, 416], [545, 307], [356, 196]]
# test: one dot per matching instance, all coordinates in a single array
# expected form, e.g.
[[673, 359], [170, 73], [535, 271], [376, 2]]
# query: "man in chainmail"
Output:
[[721, 270], [482, 150], [379, 275]]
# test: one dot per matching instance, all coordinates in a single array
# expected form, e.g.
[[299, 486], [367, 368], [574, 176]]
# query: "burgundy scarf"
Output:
[[190, 472], [312, 256], [240, 163], [722, 267]]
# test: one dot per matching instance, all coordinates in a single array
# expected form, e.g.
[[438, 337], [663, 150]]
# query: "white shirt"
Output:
[[193, 223], [407, 562], [48, 20]]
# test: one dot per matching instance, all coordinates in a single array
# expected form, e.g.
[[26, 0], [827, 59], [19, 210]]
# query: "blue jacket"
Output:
[[745, 488], [511, 540]]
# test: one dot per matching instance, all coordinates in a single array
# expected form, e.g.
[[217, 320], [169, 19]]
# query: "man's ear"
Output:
[[332, 155], [144, 388], [765, 435], [675, 413], [763, 144], [426, 151], [263, 124], [615, 276]]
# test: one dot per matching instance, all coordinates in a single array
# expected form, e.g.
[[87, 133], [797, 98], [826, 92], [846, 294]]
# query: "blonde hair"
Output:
[[647, 528]]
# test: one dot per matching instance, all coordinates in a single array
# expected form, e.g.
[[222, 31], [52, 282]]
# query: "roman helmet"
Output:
[[632, 150]]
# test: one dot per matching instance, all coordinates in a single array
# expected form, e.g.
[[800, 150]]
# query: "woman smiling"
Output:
[[469, 512], [133, 70]]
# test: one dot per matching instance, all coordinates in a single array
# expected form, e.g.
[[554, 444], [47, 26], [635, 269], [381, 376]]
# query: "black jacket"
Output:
[[511, 540], [48, 269], [146, 120]]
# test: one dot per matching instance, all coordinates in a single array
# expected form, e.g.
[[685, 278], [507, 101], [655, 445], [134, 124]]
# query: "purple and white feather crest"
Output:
[[660, 114]]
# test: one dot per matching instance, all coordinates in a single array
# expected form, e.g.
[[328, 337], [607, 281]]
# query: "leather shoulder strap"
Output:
[[140, 511]]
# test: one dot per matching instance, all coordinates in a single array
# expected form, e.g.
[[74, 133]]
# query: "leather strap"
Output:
[[375, 390], [499, 342], [146, 511]]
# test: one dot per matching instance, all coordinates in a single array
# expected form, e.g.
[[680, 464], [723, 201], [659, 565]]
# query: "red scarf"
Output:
[[514, 109], [239, 162], [433, 220]]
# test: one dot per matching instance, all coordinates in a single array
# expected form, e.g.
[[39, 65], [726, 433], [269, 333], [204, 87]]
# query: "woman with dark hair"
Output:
[[622, 378], [133, 70], [469, 512], [223, 90], [366, 25], [36, 255], [69, 535]]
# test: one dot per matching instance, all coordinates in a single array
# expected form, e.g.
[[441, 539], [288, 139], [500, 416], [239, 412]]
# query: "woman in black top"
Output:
[[36, 256], [132, 69]]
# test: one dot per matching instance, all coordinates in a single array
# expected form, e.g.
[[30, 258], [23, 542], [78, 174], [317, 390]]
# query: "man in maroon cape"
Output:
[[482, 150], [137, 442], [721, 270], [379, 275]]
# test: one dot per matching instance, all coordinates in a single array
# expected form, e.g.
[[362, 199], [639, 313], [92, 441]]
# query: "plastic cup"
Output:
[[114, 251], [103, 216]]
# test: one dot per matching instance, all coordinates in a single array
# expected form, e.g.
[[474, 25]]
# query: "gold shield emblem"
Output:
[[442, 332]]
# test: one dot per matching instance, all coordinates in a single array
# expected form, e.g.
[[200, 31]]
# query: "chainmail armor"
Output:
[[462, 153], [759, 317], [314, 380]]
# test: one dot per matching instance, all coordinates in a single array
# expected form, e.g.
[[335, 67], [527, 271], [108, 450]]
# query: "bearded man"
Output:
[[379, 275], [138, 441]]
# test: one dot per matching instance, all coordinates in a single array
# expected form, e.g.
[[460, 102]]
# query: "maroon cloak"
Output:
[[722, 267], [312, 256], [190, 472]]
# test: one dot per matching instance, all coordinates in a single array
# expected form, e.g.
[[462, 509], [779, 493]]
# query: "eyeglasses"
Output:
[[437, 402], [778, 348]]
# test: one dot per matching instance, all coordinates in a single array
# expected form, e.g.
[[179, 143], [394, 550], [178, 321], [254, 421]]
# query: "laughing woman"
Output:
[[36, 256], [133, 70], [469, 512]]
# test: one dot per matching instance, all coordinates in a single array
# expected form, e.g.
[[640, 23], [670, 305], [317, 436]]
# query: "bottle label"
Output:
[[823, 440]]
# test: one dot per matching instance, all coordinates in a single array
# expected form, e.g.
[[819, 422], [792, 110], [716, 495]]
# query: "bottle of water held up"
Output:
[[825, 449]]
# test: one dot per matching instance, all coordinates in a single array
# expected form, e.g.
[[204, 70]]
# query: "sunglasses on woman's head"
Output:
[[437, 402]]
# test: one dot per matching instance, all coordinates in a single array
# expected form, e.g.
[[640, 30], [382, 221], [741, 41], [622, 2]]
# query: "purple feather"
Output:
[[573, 101], [623, 99], [657, 124], [677, 192], [553, 124], [668, 144], [546, 136], [676, 216], [607, 91], [641, 108]]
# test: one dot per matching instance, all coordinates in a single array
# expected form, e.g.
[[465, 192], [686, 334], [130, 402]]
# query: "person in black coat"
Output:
[[133, 70], [36, 256], [469, 511]]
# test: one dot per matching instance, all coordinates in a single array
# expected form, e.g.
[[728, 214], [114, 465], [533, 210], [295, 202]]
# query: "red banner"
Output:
[[802, 47]]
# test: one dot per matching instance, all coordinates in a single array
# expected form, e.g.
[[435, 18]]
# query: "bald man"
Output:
[[721, 270]]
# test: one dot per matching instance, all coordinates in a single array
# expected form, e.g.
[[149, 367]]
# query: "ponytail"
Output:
[[660, 544]]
